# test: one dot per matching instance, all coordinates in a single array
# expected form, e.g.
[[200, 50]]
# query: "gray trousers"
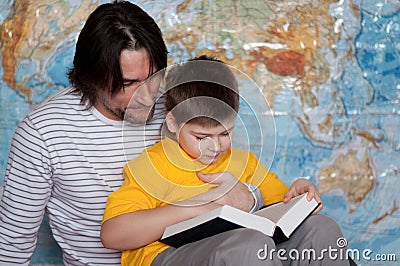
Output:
[[313, 243]]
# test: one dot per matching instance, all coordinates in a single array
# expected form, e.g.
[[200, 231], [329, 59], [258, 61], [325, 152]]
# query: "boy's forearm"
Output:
[[258, 198], [140, 228]]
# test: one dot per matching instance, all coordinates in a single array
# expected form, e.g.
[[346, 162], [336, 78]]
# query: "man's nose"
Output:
[[145, 95]]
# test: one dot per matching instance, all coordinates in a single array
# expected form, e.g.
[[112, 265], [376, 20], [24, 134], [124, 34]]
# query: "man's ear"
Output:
[[171, 124]]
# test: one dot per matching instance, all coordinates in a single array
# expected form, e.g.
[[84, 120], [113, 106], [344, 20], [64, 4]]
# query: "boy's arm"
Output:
[[258, 198], [133, 219], [139, 228], [232, 192]]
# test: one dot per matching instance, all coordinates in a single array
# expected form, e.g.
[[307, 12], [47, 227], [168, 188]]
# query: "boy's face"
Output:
[[205, 143]]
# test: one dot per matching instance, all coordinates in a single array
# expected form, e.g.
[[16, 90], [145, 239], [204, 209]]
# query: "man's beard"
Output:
[[136, 119], [136, 116]]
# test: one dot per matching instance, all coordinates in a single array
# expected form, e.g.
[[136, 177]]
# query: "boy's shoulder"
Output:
[[154, 152], [242, 154], [244, 159]]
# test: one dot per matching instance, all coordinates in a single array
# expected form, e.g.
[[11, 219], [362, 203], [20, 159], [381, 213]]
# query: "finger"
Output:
[[313, 193], [221, 201], [289, 195], [317, 196], [309, 189], [319, 200], [310, 193], [320, 207], [287, 198], [214, 178]]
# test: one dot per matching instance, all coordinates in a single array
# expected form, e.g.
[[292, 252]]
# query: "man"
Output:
[[67, 155]]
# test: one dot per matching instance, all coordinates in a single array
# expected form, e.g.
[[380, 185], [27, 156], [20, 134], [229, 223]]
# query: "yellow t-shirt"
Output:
[[164, 174]]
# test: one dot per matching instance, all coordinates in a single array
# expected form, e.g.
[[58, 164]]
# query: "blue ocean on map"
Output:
[[351, 131]]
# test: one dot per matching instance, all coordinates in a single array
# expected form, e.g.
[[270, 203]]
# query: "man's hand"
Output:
[[229, 191], [301, 186]]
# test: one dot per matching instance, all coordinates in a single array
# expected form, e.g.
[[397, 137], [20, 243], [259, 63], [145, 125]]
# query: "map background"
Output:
[[334, 100]]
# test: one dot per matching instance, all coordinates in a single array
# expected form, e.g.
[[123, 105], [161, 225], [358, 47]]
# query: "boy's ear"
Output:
[[170, 120]]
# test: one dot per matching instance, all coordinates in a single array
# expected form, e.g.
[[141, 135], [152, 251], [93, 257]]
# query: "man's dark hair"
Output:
[[203, 90], [111, 28]]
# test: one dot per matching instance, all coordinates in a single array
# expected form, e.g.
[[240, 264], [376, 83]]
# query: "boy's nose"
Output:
[[209, 144], [215, 145]]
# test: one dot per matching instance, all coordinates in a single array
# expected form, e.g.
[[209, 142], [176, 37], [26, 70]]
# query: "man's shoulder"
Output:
[[57, 113], [63, 100], [64, 103]]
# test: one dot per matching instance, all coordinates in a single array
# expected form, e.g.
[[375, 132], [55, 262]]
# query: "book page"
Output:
[[300, 211], [276, 211]]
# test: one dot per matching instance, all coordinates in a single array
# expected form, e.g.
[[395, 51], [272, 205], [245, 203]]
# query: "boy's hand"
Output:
[[301, 186], [228, 192]]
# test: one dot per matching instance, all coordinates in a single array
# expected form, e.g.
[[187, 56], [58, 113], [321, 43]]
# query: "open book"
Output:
[[278, 221]]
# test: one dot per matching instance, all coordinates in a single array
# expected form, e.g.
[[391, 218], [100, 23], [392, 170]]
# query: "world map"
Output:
[[329, 72]]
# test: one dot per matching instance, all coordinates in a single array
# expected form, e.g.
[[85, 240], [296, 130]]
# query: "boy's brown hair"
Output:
[[203, 90]]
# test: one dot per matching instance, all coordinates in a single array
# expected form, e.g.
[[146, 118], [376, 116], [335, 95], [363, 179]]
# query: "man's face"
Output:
[[135, 102]]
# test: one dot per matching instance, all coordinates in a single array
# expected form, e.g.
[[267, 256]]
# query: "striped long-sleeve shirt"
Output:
[[65, 160]]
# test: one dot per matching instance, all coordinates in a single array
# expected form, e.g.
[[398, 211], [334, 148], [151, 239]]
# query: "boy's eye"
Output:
[[202, 137]]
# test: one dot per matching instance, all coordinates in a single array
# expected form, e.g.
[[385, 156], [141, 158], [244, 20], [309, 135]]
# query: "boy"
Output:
[[202, 101]]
